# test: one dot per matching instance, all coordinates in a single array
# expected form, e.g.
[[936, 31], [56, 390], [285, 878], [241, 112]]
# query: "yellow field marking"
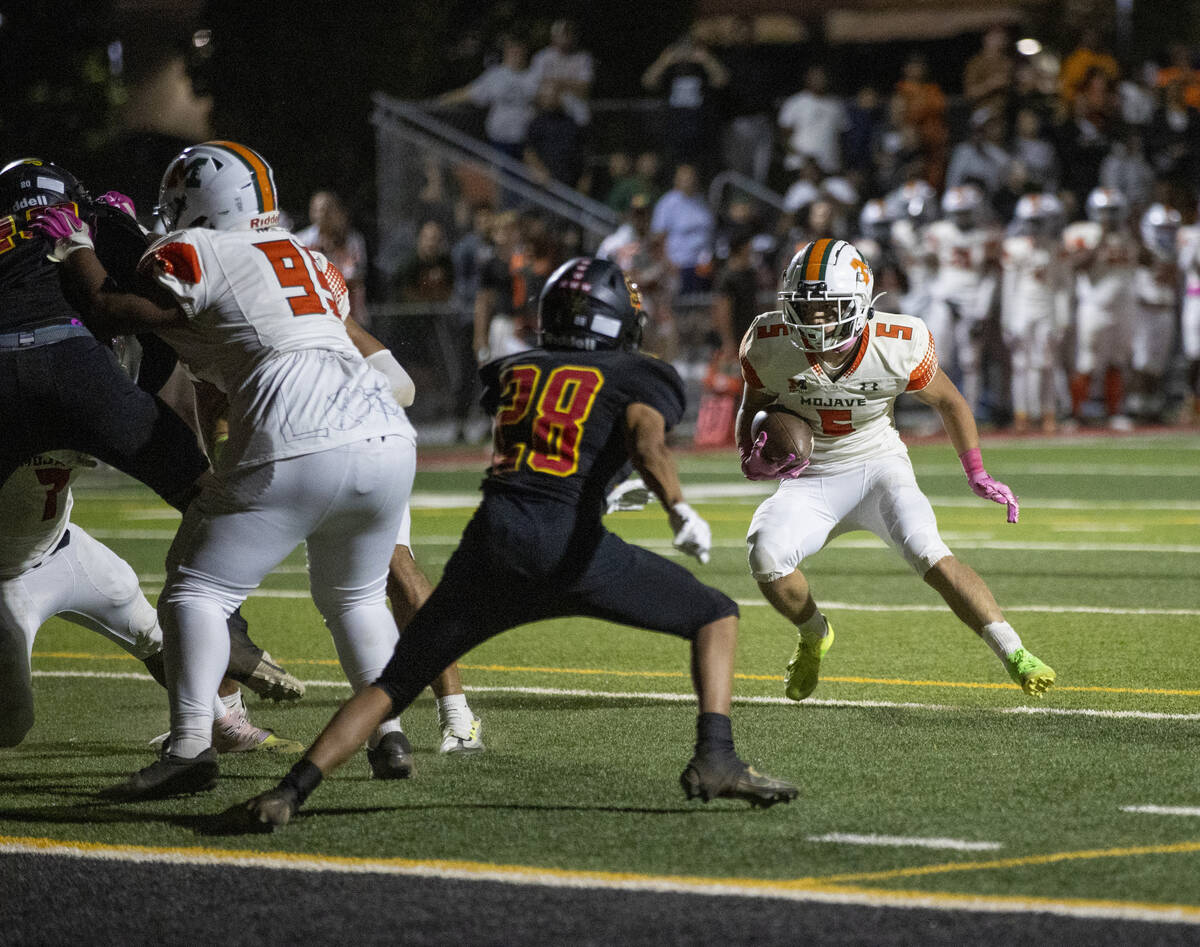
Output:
[[995, 864], [610, 672], [821, 889]]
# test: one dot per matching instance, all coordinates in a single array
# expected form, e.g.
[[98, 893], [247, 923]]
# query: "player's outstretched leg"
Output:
[[251, 665], [972, 601], [340, 739], [716, 771]]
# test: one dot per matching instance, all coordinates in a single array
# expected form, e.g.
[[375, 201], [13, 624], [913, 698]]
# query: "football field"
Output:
[[937, 802]]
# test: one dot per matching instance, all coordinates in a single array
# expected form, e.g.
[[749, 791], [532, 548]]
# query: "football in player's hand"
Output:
[[787, 433]]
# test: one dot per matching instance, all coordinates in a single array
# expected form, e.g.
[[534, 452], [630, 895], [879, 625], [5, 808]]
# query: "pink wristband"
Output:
[[972, 462]]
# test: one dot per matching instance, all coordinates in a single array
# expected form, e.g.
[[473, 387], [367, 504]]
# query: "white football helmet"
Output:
[[1160, 229], [914, 199], [1107, 205], [875, 221], [961, 204], [825, 296], [1039, 213], [220, 185]]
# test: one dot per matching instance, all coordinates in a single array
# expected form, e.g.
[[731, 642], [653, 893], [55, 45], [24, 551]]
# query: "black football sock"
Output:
[[714, 735]]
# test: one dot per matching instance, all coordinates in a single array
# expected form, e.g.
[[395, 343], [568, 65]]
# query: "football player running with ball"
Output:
[[829, 357], [568, 416]]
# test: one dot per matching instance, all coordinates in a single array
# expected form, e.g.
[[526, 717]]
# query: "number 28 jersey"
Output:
[[264, 325], [852, 416], [559, 429]]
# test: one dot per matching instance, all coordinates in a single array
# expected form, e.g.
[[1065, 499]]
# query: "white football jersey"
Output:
[[1156, 285], [851, 417], [1106, 281], [1036, 283], [963, 257], [35, 509], [264, 325]]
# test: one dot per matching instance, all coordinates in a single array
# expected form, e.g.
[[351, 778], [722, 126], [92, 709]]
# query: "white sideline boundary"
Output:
[[667, 697], [1163, 810], [806, 891], [905, 841]]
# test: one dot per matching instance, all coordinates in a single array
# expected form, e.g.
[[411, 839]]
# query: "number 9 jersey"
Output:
[[559, 429], [850, 412], [264, 324]]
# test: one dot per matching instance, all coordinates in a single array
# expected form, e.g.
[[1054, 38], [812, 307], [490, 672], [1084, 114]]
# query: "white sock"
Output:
[[814, 626], [232, 703], [452, 711], [219, 708], [1001, 638], [388, 726]]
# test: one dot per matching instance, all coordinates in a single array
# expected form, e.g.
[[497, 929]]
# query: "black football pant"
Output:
[[73, 395]]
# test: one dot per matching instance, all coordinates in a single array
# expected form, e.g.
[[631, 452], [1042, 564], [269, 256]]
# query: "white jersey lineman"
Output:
[[50, 566], [318, 452], [1103, 293], [859, 476]]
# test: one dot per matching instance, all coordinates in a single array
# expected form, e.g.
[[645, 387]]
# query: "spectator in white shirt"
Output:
[[814, 121]]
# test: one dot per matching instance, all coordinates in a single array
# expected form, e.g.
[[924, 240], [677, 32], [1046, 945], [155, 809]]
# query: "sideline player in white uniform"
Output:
[[1104, 254], [830, 358], [1156, 287], [967, 252], [318, 450], [1189, 315], [1035, 308], [51, 566]]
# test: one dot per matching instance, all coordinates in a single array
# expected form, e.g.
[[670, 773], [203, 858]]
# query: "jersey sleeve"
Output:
[[653, 382], [748, 356], [174, 263], [924, 359], [335, 282]]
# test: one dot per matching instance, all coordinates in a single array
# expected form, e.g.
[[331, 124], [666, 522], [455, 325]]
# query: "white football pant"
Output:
[[85, 582], [345, 503], [880, 496]]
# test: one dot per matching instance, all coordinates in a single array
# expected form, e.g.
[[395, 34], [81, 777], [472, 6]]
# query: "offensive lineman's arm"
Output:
[[380, 358]]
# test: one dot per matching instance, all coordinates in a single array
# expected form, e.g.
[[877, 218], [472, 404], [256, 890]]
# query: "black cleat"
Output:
[[392, 758], [271, 809], [251, 665], [170, 775], [727, 777]]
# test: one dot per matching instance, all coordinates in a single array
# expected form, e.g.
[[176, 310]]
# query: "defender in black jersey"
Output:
[[568, 416], [60, 386]]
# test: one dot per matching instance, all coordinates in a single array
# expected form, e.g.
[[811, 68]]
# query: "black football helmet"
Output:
[[590, 304], [32, 182]]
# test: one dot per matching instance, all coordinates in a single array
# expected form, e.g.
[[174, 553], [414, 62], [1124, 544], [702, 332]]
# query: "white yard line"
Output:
[[1163, 810], [667, 697], [902, 841]]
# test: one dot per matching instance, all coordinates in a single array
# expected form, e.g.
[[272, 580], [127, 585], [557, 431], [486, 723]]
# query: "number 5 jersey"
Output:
[[851, 416], [264, 325]]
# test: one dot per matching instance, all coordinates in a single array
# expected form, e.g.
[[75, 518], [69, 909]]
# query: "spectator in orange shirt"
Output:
[[1181, 70], [1080, 63], [924, 109]]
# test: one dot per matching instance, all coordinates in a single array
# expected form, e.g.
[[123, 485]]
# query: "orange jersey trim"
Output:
[[176, 259], [923, 374]]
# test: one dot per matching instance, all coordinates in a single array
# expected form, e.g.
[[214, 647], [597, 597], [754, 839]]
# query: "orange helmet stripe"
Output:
[[262, 174], [818, 255]]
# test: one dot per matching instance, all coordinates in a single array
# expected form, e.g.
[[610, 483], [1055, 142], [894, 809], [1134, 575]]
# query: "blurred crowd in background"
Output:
[[1043, 222]]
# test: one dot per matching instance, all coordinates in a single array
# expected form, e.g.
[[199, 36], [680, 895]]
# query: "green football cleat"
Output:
[[804, 670], [1033, 674]]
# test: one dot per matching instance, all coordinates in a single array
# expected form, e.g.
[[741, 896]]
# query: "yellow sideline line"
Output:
[[829, 887], [1000, 863], [608, 672]]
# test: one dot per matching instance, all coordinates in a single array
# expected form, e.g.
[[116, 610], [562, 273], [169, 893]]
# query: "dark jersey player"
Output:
[[60, 386], [568, 415]]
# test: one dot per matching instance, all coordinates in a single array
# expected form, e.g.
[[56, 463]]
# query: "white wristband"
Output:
[[403, 389]]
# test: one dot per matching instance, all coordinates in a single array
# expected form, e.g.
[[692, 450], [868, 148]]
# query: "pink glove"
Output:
[[118, 200], [756, 467], [62, 226], [984, 486]]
